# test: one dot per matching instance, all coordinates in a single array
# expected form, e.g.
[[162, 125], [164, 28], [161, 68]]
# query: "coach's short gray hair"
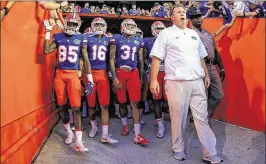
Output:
[[176, 6]]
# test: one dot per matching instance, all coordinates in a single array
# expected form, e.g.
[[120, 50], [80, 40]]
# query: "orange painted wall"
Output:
[[243, 52], [27, 99]]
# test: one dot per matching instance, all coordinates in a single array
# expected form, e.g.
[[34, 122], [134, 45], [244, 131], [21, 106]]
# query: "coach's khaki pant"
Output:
[[181, 95]]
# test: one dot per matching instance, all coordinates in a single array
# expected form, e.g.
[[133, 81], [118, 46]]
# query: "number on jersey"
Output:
[[99, 52], [71, 55], [126, 55]]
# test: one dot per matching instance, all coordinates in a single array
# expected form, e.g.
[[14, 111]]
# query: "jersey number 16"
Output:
[[99, 52]]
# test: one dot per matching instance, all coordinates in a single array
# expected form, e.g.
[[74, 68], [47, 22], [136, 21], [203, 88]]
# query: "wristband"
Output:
[[222, 69], [47, 35], [89, 76]]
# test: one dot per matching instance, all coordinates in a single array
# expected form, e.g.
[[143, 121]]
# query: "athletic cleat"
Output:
[[141, 140], [93, 132], [212, 159], [125, 130], [181, 156], [80, 147], [160, 132], [108, 139], [69, 139]]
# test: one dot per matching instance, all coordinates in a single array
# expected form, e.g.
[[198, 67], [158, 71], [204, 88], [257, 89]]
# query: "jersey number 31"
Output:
[[127, 52]]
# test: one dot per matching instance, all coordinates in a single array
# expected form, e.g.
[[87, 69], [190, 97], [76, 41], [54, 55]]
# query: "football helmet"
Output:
[[109, 35], [98, 26], [139, 33], [128, 26], [72, 24], [156, 27], [88, 30]]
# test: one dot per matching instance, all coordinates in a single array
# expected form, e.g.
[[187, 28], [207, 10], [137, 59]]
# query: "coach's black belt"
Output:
[[209, 61]]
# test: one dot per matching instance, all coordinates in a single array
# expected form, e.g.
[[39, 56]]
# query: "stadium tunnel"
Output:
[[28, 106]]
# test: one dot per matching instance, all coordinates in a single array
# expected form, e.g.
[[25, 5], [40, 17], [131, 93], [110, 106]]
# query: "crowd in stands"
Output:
[[162, 9], [229, 10]]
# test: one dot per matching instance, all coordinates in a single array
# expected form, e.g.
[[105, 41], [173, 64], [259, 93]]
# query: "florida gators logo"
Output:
[[136, 42], [77, 41]]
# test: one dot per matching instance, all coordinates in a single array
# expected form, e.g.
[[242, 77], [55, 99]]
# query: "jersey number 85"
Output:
[[70, 54]]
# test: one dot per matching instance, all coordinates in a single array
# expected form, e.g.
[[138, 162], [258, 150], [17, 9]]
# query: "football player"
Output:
[[68, 45], [126, 53], [139, 33], [97, 47], [156, 27]]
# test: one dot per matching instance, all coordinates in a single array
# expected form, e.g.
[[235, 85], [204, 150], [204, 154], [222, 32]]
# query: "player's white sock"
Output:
[[68, 128], [136, 129], [160, 122], [105, 130], [71, 121], [93, 123], [124, 121], [78, 136]]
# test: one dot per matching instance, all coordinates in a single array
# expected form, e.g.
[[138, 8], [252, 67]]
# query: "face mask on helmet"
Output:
[[71, 28], [128, 27], [98, 26], [139, 33], [72, 24]]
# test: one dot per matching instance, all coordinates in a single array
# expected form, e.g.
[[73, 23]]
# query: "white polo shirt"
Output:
[[182, 51]]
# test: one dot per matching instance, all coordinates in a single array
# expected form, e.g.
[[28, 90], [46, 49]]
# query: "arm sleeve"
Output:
[[85, 41], [159, 46], [113, 40]]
